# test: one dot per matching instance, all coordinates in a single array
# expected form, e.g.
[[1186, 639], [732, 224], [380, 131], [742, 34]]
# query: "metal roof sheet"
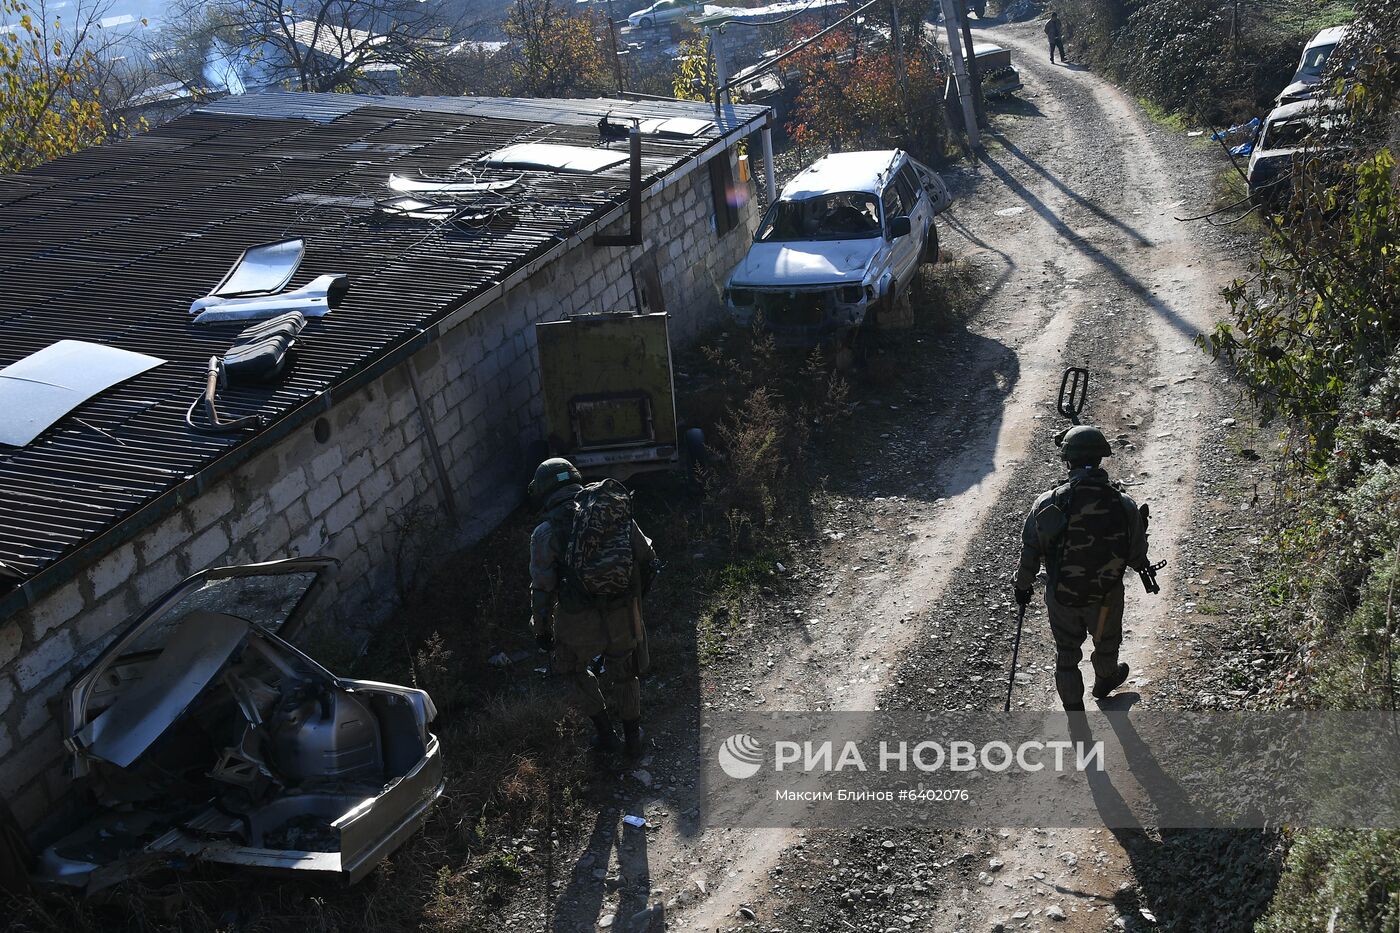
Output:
[[112, 244]]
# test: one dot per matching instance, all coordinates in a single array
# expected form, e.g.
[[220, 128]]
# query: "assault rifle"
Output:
[[1148, 572]]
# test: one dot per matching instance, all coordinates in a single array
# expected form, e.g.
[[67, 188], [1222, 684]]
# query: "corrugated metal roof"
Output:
[[110, 245]]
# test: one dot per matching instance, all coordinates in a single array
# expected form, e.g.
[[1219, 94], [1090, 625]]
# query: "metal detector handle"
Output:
[[1074, 391]]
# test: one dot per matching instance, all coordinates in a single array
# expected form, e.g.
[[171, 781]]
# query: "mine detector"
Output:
[[609, 395]]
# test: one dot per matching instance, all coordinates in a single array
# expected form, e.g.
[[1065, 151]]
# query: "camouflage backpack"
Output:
[[1091, 553], [597, 554]]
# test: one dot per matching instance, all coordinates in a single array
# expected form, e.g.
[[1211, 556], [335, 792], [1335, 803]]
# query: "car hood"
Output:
[[824, 262], [1301, 89]]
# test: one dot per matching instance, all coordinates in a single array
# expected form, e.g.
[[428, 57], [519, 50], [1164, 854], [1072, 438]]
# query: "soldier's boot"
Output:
[[633, 738], [1070, 686], [1104, 686], [606, 739]]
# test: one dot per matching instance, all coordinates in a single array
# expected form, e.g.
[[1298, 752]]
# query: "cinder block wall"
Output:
[[349, 496]]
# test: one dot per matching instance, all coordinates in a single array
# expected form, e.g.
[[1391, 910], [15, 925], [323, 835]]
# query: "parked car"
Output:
[[1307, 79], [994, 69], [1289, 131], [844, 240], [662, 11], [204, 734]]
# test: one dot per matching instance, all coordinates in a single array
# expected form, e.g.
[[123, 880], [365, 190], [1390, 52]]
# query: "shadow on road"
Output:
[[1188, 879], [581, 903], [1079, 242]]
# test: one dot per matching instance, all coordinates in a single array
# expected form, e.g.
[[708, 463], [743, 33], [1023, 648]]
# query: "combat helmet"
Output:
[[552, 475], [1083, 444]]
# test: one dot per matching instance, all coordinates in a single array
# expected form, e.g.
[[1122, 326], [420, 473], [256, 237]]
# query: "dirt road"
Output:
[[1069, 217]]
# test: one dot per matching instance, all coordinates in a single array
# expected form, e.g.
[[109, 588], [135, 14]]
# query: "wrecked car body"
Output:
[[203, 734], [1291, 132], [844, 240], [994, 69]]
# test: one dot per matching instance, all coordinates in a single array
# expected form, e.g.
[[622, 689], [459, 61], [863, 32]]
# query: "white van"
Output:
[[1307, 79]]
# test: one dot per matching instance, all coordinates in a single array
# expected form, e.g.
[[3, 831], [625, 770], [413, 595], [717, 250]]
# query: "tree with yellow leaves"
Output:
[[560, 52], [48, 104]]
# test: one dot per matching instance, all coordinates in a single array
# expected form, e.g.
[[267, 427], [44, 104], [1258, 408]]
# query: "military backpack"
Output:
[[596, 557], [1088, 525]]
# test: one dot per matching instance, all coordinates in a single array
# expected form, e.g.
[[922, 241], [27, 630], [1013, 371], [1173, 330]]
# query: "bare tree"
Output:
[[560, 52], [304, 45]]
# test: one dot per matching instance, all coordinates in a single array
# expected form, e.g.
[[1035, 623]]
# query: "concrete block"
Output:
[[159, 541], [289, 488], [375, 486], [207, 549], [270, 542], [101, 622], [40, 663], [30, 761], [247, 522], [53, 610], [323, 495], [40, 707], [309, 542], [344, 512], [298, 515], [110, 572], [7, 695], [354, 471], [326, 463], [215, 504], [11, 637], [155, 579], [6, 743], [30, 805]]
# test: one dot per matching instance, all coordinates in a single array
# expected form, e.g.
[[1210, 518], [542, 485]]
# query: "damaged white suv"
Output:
[[203, 734], [843, 242]]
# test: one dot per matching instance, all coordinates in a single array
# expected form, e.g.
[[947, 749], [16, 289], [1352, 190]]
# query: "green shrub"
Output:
[[1344, 881]]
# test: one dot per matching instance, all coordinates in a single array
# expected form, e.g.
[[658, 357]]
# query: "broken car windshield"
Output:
[[1288, 134], [849, 215]]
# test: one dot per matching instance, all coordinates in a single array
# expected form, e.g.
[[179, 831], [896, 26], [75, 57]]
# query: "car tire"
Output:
[[647, 22], [931, 245]]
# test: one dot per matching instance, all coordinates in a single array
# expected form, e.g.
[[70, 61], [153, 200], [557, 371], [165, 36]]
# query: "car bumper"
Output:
[[802, 317]]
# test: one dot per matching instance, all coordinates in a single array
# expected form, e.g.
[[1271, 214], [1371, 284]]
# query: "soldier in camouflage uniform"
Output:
[[1086, 532], [578, 636]]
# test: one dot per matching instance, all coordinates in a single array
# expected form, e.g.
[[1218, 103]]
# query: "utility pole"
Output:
[[713, 33], [950, 21], [974, 77], [617, 59], [897, 43]]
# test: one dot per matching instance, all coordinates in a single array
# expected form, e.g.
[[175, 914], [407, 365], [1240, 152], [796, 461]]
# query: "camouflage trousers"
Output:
[[1103, 623], [611, 635]]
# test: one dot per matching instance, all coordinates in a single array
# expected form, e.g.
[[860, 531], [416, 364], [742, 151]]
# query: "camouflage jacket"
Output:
[[1040, 539]]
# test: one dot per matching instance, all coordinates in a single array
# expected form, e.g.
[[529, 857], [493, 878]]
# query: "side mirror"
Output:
[[899, 226]]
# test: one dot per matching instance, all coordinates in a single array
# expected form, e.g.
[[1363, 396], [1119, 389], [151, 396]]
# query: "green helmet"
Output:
[[1083, 443], [552, 475]]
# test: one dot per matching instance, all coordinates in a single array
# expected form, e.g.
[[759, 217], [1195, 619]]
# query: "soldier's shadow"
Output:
[[1177, 869], [585, 898]]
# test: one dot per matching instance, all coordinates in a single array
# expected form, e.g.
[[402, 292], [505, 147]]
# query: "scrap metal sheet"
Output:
[[46, 385]]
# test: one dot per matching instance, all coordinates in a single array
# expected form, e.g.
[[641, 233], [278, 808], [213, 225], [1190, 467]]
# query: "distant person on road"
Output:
[[590, 566], [1057, 39], [1086, 532]]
